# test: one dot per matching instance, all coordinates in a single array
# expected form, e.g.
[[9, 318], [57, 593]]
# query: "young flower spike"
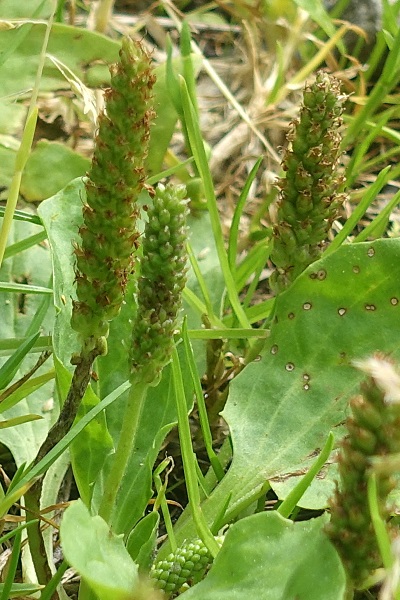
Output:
[[161, 282], [373, 440], [104, 259], [187, 565], [309, 201]]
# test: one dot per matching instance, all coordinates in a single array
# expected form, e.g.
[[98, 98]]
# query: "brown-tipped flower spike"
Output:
[[309, 200], [104, 259], [161, 282], [373, 439]]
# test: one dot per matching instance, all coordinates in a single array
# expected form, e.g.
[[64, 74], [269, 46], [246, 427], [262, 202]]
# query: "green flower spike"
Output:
[[104, 259], [309, 201], [187, 565], [160, 285], [109, 237], [161, 282], [373, 439]]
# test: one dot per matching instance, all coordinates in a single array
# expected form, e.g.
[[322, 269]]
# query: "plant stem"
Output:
[[80, 381], [25, 147], [20, 161], [161, 501], [205, 426], [290, 502], [189, 461], [197, 147], [103, 15], [378, 523], [35, 537], [126, 445]]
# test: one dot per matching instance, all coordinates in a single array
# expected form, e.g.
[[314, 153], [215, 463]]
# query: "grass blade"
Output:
[[11, 366], [199, 154]]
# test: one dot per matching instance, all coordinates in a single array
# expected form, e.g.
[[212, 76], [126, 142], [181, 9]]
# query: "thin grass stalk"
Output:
[[188, 459], [204, 424], [202, 164], [26, 144]]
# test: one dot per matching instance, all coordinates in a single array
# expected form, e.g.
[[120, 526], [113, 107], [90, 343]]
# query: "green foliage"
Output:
[[282, 385], [266, 556], [100, 557], [280, 408], [62, 166]]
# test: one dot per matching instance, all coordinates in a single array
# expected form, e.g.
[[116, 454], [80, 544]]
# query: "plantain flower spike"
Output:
[[188, 563], [372, 445], [309, 200], [104, 259], [161, 282]]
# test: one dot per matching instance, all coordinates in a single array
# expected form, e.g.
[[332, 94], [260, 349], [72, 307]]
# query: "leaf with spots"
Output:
[[281, 409]]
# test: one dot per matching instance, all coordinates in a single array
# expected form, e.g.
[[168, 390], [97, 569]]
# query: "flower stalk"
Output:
[[159, 297], [105, 255]]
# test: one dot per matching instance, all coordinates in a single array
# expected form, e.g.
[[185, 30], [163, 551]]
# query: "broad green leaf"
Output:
[[142, 541], [12, 116], [98, 555], [61, 216], [58, 163], [14, 9], [267, 557], [77, 48], [18, 310], [7, 164], [341, 308], [281, 409]]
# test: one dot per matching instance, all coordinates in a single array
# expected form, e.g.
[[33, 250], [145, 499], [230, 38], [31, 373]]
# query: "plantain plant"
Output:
[[128, 358]]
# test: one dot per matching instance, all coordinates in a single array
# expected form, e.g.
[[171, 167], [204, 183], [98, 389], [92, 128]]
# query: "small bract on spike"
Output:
[[309, 200], [373, 439], [161, 282], [104, 259]]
